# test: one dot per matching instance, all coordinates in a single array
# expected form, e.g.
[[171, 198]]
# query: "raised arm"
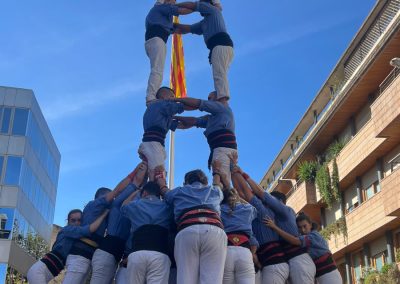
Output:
[[136, 177], [181, 29], [187, 5], [190, 102], [184, 11], [130, 198], [185, 122], [241, 185], [96, 224], [286, 236]]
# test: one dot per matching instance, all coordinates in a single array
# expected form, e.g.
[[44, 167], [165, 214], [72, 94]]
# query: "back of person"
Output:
[[150, 218], [237, 218]]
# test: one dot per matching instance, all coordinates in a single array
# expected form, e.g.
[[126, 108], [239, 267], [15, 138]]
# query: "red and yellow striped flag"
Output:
[[177, 74]]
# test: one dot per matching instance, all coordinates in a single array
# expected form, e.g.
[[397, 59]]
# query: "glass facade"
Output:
[[6, 223], [19, 173], [30, 172], [21, 122]]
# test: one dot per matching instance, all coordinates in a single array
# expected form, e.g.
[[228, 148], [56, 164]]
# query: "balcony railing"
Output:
[[389, 80]]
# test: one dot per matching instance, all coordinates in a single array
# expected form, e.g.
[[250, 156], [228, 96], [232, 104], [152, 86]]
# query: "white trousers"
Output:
[[156, 50], [148, 267], [258, 278], [121, 276], [239, 266], [275, 274], [103, 267], [302, 269], [222, 154], [200, 252], [77, 269], [39, 274], [332, 277], [155, 154], [221, 59]]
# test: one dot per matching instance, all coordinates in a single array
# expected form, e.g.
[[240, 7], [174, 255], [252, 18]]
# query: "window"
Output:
[[372, 190], [5, 122], [20, 121], [13, 170], [357, 266], [379, 260], [3, 272], [1, 166], [6, 222]]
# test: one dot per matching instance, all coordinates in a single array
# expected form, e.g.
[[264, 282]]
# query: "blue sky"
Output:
[[86, 63]]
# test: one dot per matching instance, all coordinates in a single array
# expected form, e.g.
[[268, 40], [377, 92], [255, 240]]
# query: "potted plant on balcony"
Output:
[[307, 171]]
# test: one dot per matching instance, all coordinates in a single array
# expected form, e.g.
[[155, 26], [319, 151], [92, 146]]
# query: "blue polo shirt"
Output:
[[316, 245], [193, 195], [221, 117], [66, 238], [162, 15], [160, 114]]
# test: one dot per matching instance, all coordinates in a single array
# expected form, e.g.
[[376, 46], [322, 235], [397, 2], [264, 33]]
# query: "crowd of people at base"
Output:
[[144, 232]]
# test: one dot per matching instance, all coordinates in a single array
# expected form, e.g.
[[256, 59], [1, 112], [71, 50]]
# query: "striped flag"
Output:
[[177, 83], [177, 74]]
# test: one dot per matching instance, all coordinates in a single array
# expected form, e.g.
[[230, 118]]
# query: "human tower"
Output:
[[143, 232]]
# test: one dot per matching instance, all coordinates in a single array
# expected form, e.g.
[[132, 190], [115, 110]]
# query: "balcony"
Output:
[[359, 154], [386, 109], [363, 223], [301, 196], [391, 194]]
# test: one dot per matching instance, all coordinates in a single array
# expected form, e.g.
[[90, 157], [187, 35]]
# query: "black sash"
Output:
[[220, 138], [218, 39], [199, 215], [54, 262], [292, 251], [114, 246], [82, 249], [151, 237], [238, 239], [324, 264], [154, 134], [157, 31], [271, 253]]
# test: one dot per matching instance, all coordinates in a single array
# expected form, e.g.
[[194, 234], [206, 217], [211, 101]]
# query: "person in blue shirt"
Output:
[[301, 266], [316, 245], [157, 121], [79, 259], [150, 219], [111, 248], [44, 270], [237, 216], [270, 257], [217, 40], [219, 127], [159, 25], [201, 243]]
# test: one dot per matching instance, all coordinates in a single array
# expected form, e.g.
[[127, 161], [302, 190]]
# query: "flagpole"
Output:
[[178, 84], [171, 166]]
